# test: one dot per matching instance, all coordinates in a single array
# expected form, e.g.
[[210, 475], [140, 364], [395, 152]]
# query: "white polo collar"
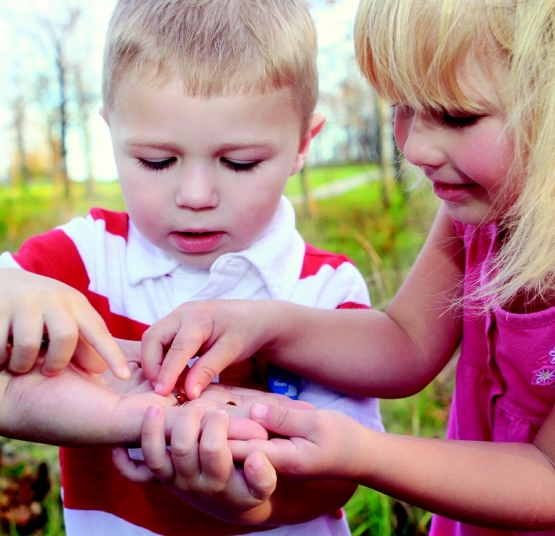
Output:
[[277, 256]]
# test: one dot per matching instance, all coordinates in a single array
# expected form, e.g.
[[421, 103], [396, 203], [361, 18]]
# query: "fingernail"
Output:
[[258, 462], [158, 388], [259, 411], [151, 412], [220, 412], [197, 389]]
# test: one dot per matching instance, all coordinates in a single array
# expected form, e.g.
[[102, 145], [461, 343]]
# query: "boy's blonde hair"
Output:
[[217, 47], [421, 53]]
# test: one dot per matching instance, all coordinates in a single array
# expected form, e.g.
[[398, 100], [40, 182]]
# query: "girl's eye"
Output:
[[240, 166], [157, 165], [458, 120]]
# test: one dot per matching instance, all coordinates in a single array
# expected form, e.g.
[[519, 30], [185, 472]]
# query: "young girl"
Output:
[[473, 85]]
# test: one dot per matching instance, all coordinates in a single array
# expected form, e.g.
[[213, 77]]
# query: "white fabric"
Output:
[[96, 523]]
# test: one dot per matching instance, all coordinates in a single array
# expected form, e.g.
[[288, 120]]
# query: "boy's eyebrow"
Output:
[[153, 145], [164, 146], [246, 145]]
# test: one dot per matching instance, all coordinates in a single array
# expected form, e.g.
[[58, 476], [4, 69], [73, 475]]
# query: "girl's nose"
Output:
[[421, 141], [196, 189]]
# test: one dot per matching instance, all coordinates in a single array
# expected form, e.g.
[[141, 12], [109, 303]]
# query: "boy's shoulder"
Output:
[[62, 253], [315, 259], [116, 223]]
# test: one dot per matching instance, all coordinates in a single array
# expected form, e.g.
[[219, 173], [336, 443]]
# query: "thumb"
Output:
[[260, 476], [206, 369], [284, 421]]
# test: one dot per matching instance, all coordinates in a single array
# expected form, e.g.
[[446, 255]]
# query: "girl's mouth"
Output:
[[455, 193]]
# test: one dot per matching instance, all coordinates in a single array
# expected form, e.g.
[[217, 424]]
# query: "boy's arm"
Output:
[[71, 408], [356, 351], [75, 408], [299, 501], [508, 486]]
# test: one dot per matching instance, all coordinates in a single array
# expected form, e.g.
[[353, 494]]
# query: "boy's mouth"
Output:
[[197, 242]]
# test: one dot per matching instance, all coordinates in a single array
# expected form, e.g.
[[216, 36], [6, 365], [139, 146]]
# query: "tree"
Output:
[[85, 99], [59, 35], [387, 150], [19, 108]]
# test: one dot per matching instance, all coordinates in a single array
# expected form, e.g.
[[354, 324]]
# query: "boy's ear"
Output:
[[316, 123], [103, 114]]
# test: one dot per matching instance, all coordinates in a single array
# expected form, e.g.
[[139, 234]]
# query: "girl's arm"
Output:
[[503, 485], [388, 355]]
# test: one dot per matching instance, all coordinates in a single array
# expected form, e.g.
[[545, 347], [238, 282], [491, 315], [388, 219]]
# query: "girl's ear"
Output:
[[316, 123]]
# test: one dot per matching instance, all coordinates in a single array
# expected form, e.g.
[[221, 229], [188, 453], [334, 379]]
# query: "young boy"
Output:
[[210, 108]]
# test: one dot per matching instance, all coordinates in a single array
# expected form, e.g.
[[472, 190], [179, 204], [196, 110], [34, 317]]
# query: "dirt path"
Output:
[[338, 187]]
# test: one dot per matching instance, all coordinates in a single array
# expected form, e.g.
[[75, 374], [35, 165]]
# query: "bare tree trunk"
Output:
[[21, 173], [387, 150], [309, 204], [59, 36], [62, 107], [84, 102]]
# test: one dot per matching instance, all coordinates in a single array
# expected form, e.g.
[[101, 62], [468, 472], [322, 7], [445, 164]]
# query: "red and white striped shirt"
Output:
[[131, 283]]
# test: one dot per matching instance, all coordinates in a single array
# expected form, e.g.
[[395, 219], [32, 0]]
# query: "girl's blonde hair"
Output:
[[217, 47], [420, 53]]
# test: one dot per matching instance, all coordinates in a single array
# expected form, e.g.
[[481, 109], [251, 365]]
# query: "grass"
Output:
[[383, 243]]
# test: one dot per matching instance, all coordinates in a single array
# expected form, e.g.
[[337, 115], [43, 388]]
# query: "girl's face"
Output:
[[466, 156]]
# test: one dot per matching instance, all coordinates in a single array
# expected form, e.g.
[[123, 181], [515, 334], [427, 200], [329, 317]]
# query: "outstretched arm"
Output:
[[78, 408], [71, 408], [355, 351], [503, 485]]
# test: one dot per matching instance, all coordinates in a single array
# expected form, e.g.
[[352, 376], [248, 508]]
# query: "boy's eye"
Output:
[[157, 165], [458, 120], [238, 165]]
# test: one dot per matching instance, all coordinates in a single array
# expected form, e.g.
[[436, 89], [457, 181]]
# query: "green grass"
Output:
[[383, 243]]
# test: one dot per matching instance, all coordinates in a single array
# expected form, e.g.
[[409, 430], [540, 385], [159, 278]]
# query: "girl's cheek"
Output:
[[400, 129]]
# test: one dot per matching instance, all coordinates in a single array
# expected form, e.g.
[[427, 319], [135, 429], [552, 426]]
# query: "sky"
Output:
[[22, 39]]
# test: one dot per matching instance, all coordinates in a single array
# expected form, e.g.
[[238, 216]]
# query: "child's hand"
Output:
[[222, 331], [201, 472], [320, 444], [36, 308]]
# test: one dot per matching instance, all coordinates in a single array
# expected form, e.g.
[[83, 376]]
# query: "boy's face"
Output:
[[203, 177]]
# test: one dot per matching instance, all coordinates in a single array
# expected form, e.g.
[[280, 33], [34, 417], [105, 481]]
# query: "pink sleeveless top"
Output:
[[505, 382]]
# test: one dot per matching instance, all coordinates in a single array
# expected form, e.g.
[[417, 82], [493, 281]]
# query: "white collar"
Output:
[[277, 256]]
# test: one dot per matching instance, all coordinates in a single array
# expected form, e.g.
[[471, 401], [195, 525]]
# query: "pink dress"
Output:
[[505, 383]]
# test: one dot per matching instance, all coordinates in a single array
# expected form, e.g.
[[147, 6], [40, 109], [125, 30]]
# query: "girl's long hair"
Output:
[[426, 53]]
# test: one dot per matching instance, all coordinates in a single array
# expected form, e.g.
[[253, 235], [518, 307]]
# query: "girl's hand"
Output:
[[312, 444], [44, 319], [221, 331], [199, 468]]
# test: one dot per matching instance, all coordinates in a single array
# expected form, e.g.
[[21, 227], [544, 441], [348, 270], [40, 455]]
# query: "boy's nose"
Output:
[[196, 190], [423, 144]]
